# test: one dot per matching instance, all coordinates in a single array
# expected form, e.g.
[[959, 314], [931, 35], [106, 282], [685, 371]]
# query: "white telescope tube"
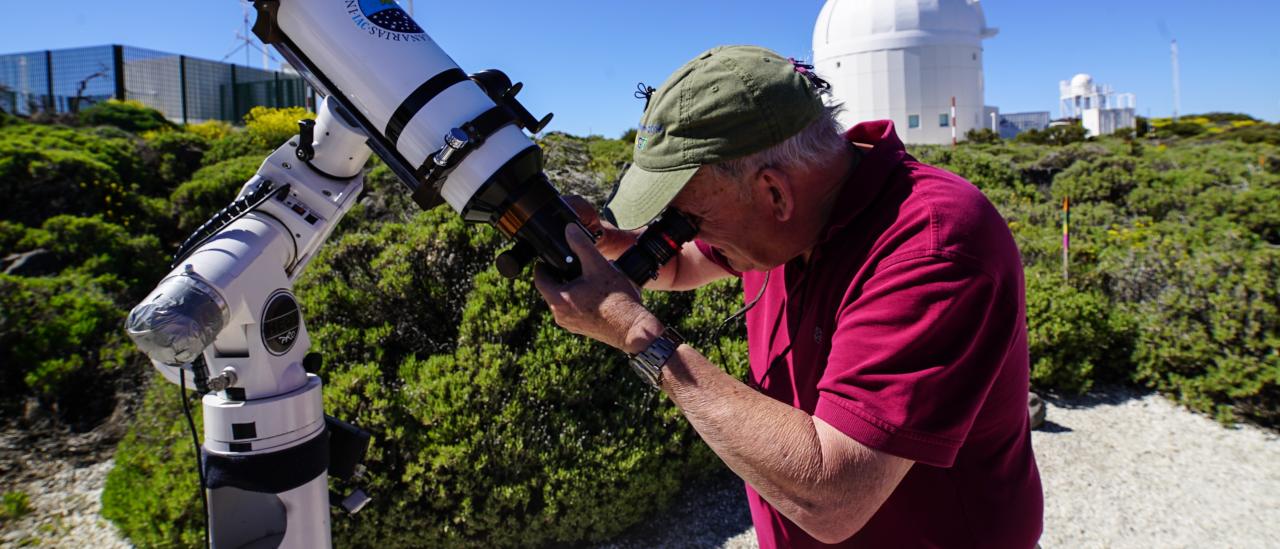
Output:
[[407, 88]]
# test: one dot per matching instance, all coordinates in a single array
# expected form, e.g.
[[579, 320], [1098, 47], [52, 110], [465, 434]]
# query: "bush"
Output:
[[210, 130], [47, 171], [94, 247], [270, 128], [130, 116], [982, 136], [1109, 179], [235, 145], [1181, 129], [179, 154], [151, 492], [492, 426], [60, 339], [1075, 336], [1054, 135], [1210, 325], [15, 505], [210, 190]]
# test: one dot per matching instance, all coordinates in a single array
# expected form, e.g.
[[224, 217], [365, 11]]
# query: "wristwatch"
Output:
[[649, 362]]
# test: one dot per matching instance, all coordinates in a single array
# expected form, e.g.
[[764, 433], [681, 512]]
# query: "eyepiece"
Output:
[[656, 246]]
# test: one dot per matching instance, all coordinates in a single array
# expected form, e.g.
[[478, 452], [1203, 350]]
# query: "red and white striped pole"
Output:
[[953, 121]]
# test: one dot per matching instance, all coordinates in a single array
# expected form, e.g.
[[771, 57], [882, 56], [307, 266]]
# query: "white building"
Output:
[[1100, 110], [906, 60]]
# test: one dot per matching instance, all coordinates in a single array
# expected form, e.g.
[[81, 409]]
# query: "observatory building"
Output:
[[1099, 109], [906, 60]]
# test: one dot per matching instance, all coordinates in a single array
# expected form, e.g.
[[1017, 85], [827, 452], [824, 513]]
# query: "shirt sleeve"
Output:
[[914, 355]]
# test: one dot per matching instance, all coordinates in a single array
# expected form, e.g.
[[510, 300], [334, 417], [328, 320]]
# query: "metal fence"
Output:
[[185, 89]]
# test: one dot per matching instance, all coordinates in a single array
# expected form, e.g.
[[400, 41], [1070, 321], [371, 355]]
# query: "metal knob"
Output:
[[454, 141]]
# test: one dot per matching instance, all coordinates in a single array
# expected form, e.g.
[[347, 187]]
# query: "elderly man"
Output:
[[886, 401]]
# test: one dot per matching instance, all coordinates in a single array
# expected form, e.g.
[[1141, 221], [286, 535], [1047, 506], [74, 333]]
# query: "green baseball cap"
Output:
[[727, 103]]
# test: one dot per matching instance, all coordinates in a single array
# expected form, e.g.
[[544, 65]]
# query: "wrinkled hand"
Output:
[[601, 304], [610, 240]]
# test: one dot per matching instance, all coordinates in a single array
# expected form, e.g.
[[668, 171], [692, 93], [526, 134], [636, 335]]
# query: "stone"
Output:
[[1035, 407]]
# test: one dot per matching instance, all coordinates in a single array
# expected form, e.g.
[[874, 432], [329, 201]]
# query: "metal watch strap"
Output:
[[649, 362]]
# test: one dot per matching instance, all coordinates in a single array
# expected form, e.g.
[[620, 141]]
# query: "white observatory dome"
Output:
[[1081, 84], [905, 60]]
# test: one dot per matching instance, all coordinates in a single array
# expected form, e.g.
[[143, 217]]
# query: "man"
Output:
[[886, 402]]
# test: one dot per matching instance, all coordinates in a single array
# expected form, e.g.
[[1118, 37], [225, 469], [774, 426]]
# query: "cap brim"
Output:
[[643, 194]]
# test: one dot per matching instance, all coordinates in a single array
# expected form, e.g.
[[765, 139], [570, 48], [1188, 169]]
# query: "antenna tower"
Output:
[[1177, 82], [246, 43]]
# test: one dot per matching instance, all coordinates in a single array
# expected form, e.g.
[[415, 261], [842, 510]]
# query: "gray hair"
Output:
[[817, 142]]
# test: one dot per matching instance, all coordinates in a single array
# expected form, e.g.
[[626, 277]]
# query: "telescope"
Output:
[[225, 322]]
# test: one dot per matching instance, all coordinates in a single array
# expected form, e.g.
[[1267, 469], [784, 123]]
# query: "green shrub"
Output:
[[492, 426], [1054, 135], [47, 171], [14, 505], [1075, 336], [130, 116], [210, 130], [1208, 301], [271, 127], [1259, 133], [235, 145], [94, 247], [211, 189], [1108, 179], [1181, 129], [151, 492], [60, 340], [982, 136], [10, 235], [179, 155], [608, 156]]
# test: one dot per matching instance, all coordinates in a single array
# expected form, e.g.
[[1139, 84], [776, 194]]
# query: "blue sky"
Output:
[[582, 59]]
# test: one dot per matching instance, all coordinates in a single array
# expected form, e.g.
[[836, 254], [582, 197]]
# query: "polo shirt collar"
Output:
[[869, 177]]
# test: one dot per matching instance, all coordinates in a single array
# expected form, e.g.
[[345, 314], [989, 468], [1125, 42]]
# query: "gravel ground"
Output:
[[65, 511], [1120, 469]]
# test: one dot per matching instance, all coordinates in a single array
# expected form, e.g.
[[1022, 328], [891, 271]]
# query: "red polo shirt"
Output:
[[906, 331]]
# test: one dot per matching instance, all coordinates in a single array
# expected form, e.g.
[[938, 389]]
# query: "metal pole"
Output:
[[235, 97], [182, 84], [118, 64], [953, 121], [1066, 236], [50, 102]]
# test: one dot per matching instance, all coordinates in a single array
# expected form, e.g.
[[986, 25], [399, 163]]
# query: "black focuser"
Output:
[[657, 245]]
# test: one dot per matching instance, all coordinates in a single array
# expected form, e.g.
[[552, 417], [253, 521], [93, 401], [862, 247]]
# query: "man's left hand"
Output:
[[601, 303]]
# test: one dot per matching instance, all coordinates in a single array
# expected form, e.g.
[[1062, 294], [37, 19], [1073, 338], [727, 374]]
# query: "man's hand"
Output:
[[610, 240], [601, 303]]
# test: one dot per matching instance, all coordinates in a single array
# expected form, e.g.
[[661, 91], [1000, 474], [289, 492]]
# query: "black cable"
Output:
[[742, 311], [195, 440], [233, 212]]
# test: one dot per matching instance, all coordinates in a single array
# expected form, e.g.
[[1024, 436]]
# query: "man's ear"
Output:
[[776, 187]]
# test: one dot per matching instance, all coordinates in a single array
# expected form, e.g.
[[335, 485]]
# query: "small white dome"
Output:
[[859, 24], [1081, 84]]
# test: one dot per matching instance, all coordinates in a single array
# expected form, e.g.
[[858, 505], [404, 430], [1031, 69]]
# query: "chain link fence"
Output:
[[185, 89]]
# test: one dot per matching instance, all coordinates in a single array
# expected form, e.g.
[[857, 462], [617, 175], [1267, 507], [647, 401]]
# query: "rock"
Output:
[[37, 262], [1035, 407]]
